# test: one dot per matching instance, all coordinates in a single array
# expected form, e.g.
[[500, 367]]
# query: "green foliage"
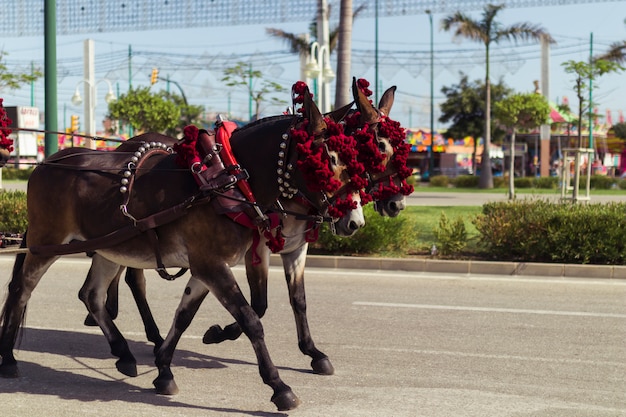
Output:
[[621, 184], [243, 76], [524, 182], [145, 111], [466, 181], [620, 130], [500, 182], [548, 183], [11, 173], [540, 231], [13, 216], [189, 113], [522, 111], [440, 181], [464, 107], [451, 236], [380, 235], [13, 80]]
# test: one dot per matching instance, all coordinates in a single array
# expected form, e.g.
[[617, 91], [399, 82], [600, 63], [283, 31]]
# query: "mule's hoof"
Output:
[[9, 371], [322, 366], [286, 400], [89, 321], [165, 386], [215, 334], [127, 368]]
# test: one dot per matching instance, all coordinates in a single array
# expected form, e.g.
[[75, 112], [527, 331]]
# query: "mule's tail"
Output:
[[10, 298]]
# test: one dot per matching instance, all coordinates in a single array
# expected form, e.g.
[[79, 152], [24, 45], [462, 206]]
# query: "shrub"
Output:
[[380, 235], [466, 181], [549, 183], [451, 236], [540, 231], [523, 182], [440, 181], [501, 182], [10, 173], [13, 217], [621, 184]]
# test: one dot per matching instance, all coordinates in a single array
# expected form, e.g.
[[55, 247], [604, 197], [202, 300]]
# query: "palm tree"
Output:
[[488, 31], [338, 36], [616, 53]]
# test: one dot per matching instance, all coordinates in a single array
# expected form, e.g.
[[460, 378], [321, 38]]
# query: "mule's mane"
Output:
[[270, 119]]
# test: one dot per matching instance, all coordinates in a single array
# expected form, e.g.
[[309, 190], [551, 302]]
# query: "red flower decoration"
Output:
[[5, 122]]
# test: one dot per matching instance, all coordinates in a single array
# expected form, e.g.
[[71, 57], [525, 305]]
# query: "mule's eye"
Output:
[[333, 159], [381, 146]]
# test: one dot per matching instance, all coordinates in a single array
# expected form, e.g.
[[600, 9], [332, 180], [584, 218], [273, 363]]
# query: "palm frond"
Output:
[[522, 31], [296, 43], [616, 53]]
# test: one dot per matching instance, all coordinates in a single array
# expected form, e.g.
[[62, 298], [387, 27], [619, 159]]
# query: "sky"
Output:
[[194, 58]]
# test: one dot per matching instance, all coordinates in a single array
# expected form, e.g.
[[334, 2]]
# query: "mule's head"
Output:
[[328, 170], [6, 143], [382, 149]]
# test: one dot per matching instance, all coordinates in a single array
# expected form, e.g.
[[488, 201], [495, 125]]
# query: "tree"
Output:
[[520, 111], [620, 130], [616, 52], [12, 80], [145, 111], [465, 108], [339, 36], [242, 75], [585, 72], [189, 113], [489, 31]]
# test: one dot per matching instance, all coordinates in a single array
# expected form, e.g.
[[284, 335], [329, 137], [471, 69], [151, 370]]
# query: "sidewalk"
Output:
[[463, 267]]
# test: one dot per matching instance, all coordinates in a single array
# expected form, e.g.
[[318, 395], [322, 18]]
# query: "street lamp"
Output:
[[91, 92], [431, 155], [318, 68]]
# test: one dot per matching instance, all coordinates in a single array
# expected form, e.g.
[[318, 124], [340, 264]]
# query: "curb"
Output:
[[526, 269]]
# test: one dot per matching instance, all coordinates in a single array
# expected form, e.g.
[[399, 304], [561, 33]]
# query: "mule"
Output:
[[84, 187], [294, 253]]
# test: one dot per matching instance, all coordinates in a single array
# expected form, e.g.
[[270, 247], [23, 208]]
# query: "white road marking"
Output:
[[491, 309], [485, 356]]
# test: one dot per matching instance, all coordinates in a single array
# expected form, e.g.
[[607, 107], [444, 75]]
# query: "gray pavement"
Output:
[[408, 344]]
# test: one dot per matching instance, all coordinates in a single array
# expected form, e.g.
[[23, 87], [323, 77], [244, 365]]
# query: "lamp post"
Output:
[[90, 105], [431, 154], [318, 68]]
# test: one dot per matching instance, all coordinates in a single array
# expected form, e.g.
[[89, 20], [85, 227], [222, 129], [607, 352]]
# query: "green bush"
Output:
[[440, 181], [541, 231], [13, 216], [523, 182], [451, 236], [380, 235], [549, 183], [500, 182], [621, 184], [10, 173], [466, 181]]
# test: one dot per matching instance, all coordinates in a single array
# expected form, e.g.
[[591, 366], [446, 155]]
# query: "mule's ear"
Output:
[[368, 113], [316, 121], [386, 101], [340, 113]]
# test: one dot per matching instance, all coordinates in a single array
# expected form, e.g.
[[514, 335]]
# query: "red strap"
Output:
[[222, 136]]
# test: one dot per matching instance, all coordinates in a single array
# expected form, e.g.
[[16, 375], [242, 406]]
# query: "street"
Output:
[[402, 344]]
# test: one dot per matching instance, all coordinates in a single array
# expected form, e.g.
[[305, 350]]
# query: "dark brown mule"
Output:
[[294, 253], [83, 186]]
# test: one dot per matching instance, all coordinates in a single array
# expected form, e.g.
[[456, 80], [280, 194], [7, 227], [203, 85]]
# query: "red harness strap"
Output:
[[223, 133]]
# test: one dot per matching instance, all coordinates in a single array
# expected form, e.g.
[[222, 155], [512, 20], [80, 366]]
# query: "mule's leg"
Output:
[[94, 294], [226, 290], [27, 272], [112, 302], [257, 280], [136, 281], [293, 264], [195, 292]]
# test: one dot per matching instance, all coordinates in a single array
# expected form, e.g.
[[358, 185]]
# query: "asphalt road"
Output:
[[402, 344]]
